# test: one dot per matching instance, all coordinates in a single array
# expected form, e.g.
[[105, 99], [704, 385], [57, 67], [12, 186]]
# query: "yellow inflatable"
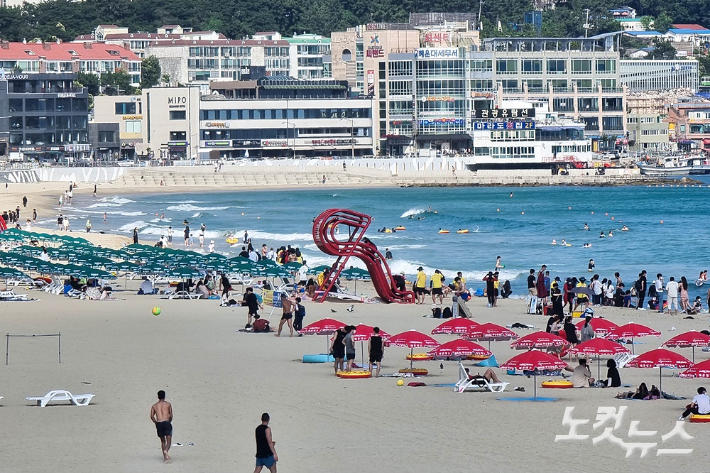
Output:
[[699, 418], [232, 240], [399, 228], [443, 231], [354, 374], [462, 231], [557, 384], [415, 371], [478, 357], [420, 357]]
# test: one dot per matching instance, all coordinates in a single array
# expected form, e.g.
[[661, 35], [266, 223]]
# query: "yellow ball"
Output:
[[400, 383], [156, 311]]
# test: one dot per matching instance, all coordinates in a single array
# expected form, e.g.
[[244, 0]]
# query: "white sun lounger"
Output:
[[476, 383], [11, 296], [622, 359], [61, 395]]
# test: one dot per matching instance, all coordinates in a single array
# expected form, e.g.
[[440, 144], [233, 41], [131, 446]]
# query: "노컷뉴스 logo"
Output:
[[609, 422]]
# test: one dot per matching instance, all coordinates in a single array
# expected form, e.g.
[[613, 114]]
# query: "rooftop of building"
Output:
[[217, 42], [642, 33], [688, 26], [691, 31], [601, 42], [65, 51]]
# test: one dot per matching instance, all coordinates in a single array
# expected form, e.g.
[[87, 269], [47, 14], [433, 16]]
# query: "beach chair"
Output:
[[61, 395], [91, 294], [467, 382], [622, 359], [11, 296], [183, 295]]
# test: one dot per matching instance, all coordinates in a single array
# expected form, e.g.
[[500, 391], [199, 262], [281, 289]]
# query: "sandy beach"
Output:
[[220, 381]]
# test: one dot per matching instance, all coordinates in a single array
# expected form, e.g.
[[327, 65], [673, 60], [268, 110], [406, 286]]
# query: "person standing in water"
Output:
[[135, 235], [162, 416]]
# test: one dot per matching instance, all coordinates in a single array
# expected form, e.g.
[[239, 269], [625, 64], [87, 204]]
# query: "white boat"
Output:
[[667, 166]]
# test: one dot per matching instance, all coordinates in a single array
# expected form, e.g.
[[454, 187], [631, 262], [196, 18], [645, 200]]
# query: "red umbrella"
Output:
[[534, 360], [458, 348], [411, 339], [632, 331], [323, 327], [364, 332], [689, 339], [539, 340], [600, 326], [488, 333], [660, 358], [701, 370], [599, 346], [458, 325]]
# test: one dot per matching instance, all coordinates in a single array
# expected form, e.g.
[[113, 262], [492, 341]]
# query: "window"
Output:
[[178, 136], [606, 66], [507, 66], [588, 104], [134, 126], [483, 65], [106, 137], [125, 108], [556, 66], [581, 66], [558, 83], [532, 66], [178, 115]]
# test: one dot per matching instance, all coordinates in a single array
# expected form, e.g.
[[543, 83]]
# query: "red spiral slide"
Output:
[[326, 238]]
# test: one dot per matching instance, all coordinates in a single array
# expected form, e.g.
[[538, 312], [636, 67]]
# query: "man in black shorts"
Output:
[[162, 416], [337, 349], [252, 304], [376, 349], [287, 314]]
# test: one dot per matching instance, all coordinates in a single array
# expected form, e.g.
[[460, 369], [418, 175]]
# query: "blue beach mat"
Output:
[[529, 399], [491, 362]]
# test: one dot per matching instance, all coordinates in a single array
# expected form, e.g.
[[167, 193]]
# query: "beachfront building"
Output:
[[43, 117], [284, 117], [58, 57], [116, 129], [305, 55], [647, 75], [689, 125], [648, 133]]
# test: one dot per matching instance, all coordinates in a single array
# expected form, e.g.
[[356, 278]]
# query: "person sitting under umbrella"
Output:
[[581, 376], [699, 406], [612, 374]]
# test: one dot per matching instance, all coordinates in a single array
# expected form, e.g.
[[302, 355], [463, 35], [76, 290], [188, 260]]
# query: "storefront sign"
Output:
[[443, 98], [177, 144], [216, 144], [437, 37], [333, 142], [177, 102], [506, 113], [426, 53], [246, 143], [503, 125], [274, 143], [375, 51], [132, 117], [63, 95], [17, 77], [442, 121], [485, 95], [217, 125]]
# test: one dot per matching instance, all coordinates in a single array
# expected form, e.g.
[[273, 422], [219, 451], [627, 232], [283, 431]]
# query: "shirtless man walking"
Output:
[[162, 416]]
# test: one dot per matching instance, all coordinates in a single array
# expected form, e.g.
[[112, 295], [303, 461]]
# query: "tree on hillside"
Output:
[[150, 72], [117, 83], [90, 81], [663, 50], [647, 22], [663, 22]]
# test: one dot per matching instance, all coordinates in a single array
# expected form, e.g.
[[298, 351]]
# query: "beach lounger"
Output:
[[467, 382], [11, 296], [622, 359], [61, 395], [183, 295]]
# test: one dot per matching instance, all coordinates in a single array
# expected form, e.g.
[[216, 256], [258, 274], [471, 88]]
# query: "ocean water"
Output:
[[667, 226]]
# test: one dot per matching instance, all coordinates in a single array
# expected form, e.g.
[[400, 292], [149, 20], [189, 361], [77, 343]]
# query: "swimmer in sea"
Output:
[[601, 235], [499, 265], [611, 234], [554, 242], [590, 267], [588, 245], [511, 194], [624, 228], [564, 243], [586, 227]]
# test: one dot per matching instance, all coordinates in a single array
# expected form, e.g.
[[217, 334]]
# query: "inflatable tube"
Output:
[[461, 231], [443, 231], [557, 384], [700, 418], [232, 240], [387, 231], [420, 357], [477, 357], [699, 282], [399, 228], [354, 374], [320, 358], [414, 371]]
